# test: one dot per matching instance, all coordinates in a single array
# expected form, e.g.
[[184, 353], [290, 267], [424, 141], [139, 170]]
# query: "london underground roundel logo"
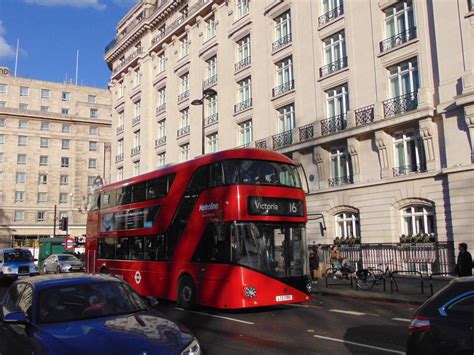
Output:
[[138, 277]]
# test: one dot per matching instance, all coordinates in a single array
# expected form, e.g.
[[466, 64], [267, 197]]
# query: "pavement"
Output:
[[410, 290]]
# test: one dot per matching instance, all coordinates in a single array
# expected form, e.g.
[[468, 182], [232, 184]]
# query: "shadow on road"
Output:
[[383, 336]]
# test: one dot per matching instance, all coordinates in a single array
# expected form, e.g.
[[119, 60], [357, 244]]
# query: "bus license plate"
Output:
[[284, 298]]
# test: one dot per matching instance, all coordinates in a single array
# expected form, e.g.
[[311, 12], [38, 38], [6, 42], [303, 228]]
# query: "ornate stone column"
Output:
[[428, 129], [382, 141], [353, 149]]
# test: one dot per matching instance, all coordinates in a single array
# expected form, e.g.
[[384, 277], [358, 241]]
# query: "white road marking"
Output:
[[304, 305], [359, 344], [402, 319], [216, 316], [347, 312]]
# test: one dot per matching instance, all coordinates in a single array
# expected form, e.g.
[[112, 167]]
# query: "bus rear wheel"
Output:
[[186, 292]]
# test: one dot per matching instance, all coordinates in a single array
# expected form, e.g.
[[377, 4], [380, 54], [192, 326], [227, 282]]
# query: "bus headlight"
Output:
[[250, 292], [192, 349]]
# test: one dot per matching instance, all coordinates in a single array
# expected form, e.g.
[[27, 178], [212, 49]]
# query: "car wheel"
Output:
[[186, 292], [45, 270], [58, 270]]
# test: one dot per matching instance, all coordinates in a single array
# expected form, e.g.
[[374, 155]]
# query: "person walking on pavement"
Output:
[[313, 263], [464, 264]]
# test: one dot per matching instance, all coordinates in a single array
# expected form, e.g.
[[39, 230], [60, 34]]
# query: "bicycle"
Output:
[[368, 278]]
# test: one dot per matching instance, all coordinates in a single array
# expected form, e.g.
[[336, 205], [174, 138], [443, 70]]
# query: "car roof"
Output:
[[464, 279], [63, 254], [45, 281], [9, 250]]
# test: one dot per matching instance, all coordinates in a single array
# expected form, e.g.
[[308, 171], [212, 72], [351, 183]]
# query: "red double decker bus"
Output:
[[225, 230]]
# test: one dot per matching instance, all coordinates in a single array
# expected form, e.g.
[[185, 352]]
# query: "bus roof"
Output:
[[239, 153]]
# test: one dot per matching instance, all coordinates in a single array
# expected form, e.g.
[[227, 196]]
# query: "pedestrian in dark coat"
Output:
[[313, 263], [464, 264]]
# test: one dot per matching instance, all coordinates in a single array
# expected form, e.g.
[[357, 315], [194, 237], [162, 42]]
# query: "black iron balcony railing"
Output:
[[209, 82], [398, 39], [261, 143], [409, 169], [364, 115], [242, 106], [282, 139], [283, 88], [161, 108], [136, 120], [243, 63], [160, 141], [334, 124], [183, 131], [306, 132], [119, 158], [331, 15], [128, 60], [183, 96], [333, 67], [210, 120], [281, 42], [119, 129], [341, 180], [400, 104], [135, 150]]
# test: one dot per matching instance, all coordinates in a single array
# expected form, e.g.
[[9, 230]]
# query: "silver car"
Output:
[[58, 263]]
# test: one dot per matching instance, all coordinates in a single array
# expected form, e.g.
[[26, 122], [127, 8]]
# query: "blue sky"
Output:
[[50, 33]]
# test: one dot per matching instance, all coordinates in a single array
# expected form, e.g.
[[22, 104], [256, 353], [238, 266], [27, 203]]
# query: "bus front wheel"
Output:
[[186, 292]]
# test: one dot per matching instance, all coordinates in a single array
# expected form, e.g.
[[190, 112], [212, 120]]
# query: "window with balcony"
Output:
[[42, 179], [92, 164], [43, 160], [120, 149], [161, 133], [284, 77], [19, 216], [331, 10], [137, 78], [45, 93], [242, 8], [92, 146], [63, 197], [23, 124], [337, 105], [184, 123], [211, 74], [404, 86], [243, 53], [409, 153], [212, 143], [136, 168], [245, 133], [137, 110], [184, 46], [24, 91], [335, 57], [399, 25], [64, 180], [93, 113], [161, 159], [40, 216], [161, 100], [161, 62], [21, 159], [22, 141], [66, 96], [45, 126], [136, 140], [92, 99], [65, 111], [286, 123], [282, 31], [20, 178], [42, 197], [65, 143], [211, 110], [66, 128], [120, 173], [244, 95], [184, 87], [417, 220], [210, 28], [184, 152], [347, 225], [340, 167], [44, 142], [44, 108], [121, 89], [64, 162]]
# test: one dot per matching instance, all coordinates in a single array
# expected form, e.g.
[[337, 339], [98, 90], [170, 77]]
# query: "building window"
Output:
[[245, 91], [23, 107], [161, 63], [66, 128], [212, 68], [63, 214], [20, 178], [42, 197], [210, 27], [21, 159], [212, 143], [1, 176], [417, 220], [40, 216], [93, 113], [43, 160], [44, 109], [65, 111], [44, 142], [24, 91], [93, 146], [92, 164], [404, 78], [91, 99], [335, 57], [184, 118], [184, 152], [64, 180], [347, 225], [121, 89], [2, 138], [137, 108], [337, 105], [120, 174], [22, 141], [19, 216], [162, 159], [121, 119], [136, 139], [64, 162], [184, 83], [211, 108], [409, 154], [162, 97], [42, 179], [93, 131], [65, 143], [66, 96], [137, 78], [341, 167], [63, 197], [284, 77], [399, 25], [19, 196], [282, 31], [23, 124], [245, 131], [2, 122], [162, 129], [243, 53], [2, 158], [45, 93], [3, 104], [3, 89], [120, 147], [286, 118], [45, 126], [242, 8], [184, 46], [136, 168]]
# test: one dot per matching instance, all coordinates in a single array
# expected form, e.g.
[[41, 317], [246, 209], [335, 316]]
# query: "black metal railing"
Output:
[[341, 180], [209, 82], [135, 150], [136, 120], [261, 143], [400, 104], [306, 132], [119, 158], [160, 141], [409, 169], [161, 108], [331, 15], [183, 131], [183, 96], [282, 139], [334, 124], [210, 120], [398, 39], [364, 115], [333, 67], [281, 42], [158, 37], [120, 129], [242, 106], [243, 63], [283, 88]]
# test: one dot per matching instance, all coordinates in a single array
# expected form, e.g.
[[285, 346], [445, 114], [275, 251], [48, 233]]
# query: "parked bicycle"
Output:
[[368, 278]]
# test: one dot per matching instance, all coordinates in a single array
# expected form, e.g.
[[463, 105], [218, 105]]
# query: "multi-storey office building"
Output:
[[374, 98], [54, 144]]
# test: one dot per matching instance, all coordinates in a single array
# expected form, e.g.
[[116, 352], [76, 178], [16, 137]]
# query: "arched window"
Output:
[[417, 220], [347, 225]]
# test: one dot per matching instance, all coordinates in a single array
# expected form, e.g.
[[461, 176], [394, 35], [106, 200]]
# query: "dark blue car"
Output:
[[85, 314]]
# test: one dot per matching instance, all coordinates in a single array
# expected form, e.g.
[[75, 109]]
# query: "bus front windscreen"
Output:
[[278, 250]]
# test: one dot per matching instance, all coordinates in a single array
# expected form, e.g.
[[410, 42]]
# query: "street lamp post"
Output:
[[200, 102]]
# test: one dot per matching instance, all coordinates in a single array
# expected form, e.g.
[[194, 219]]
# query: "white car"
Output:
[[59, 263]]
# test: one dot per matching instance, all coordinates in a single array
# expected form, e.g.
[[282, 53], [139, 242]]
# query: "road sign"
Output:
[[69, 243]]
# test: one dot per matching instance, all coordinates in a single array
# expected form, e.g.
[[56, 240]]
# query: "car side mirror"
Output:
[[151, 301], [17, 317]]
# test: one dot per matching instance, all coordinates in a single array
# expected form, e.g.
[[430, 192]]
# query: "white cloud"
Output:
[[125, 3], [95, 4], [6, 50]]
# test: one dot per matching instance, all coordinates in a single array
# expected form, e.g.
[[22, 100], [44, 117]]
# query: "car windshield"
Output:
[[67, 258], [18, 255], [87, 300]]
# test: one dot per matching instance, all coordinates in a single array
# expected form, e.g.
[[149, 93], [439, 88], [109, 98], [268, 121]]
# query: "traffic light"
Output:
[[63, 223]]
